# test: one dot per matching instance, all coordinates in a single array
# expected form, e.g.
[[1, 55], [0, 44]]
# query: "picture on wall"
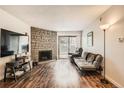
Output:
[[90, 39]]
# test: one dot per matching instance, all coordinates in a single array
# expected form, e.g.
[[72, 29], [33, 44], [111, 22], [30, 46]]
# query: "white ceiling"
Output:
[[57, 18]]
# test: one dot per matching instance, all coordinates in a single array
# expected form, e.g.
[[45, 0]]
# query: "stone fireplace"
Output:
[[43, 44], [45, 55]]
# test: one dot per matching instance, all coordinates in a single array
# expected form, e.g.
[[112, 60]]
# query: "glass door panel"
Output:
[[63, 47], [72, 44], [67, 44]]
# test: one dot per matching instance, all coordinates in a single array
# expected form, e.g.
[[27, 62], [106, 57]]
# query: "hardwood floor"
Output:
[[60, 74]]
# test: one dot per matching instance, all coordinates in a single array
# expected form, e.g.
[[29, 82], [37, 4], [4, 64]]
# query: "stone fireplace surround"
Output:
[[43, 40]]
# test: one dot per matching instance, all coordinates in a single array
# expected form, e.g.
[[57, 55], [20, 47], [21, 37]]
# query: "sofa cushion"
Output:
[[98, 61], [98, 58], [85, 65], [79, 59], [91, 57], [85, 55]]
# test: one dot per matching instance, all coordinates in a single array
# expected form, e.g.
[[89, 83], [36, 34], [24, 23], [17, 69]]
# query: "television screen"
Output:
[[12, 43]]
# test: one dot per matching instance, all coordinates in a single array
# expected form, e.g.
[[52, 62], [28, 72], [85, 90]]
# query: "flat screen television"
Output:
[[12, 43]]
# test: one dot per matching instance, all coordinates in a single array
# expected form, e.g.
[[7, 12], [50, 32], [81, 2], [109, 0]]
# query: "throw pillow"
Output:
[[91, 58]]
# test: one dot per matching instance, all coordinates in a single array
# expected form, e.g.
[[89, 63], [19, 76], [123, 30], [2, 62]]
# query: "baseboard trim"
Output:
[[114, 82]]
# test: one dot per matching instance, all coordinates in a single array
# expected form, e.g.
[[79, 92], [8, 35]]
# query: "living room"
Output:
[[52, 35]]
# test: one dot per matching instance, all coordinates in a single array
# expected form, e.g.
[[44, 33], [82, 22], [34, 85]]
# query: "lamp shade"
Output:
[[105, 26]]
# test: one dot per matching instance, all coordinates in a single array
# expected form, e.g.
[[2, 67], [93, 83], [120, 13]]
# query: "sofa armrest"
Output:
[[97, 64], [98, 61]]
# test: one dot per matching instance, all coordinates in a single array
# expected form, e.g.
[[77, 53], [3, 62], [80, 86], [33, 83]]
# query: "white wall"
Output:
[[10, 22], [78, 34], [114, 49]]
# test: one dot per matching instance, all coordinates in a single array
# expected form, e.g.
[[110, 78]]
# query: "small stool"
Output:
[[12, 70]]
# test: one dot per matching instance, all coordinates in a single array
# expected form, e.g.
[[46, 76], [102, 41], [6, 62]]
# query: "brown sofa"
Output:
[[89, 61]]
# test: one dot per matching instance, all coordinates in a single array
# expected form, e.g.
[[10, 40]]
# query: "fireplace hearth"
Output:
[[45, 55]]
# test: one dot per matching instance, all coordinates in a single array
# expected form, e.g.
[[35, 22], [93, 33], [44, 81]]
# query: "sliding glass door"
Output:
[[67, 44]]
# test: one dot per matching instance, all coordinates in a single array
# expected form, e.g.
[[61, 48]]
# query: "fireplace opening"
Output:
[[45, 55]]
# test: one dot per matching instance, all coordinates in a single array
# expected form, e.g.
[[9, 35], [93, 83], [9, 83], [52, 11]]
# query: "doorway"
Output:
[[66, 44]]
